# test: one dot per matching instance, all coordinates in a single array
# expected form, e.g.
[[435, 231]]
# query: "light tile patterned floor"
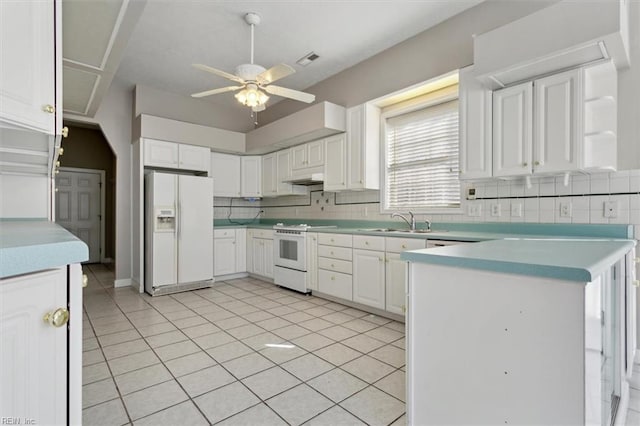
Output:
[[244, 352]]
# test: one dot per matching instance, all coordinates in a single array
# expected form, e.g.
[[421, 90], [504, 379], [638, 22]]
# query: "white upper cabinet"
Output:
[[363, 147], [160, 154], [171, 155], [225, 169], [251, 180], [307, 157], [269, 175], [512, 130], [335, 168], [475, 127], [30, 65], [557, 121], [192, 157]]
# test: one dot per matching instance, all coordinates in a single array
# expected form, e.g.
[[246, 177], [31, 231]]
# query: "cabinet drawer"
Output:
[[368, 242], [398, 245], [336, 265], [340, 240], [342, 253], [335, 284], [262, 233], [224, 233]]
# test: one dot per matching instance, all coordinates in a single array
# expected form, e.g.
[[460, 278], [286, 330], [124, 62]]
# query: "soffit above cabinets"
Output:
[[541, 43], [94, 35]]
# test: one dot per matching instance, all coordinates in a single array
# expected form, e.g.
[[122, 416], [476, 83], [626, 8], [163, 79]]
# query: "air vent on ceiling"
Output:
[[307, 59]]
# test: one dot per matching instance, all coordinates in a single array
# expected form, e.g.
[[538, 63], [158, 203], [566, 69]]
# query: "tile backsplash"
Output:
[[547, 200]]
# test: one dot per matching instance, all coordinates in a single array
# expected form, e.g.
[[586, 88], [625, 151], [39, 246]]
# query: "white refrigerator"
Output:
[[178, 232]]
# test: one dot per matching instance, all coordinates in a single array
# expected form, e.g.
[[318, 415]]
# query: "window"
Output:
[[421, 156]]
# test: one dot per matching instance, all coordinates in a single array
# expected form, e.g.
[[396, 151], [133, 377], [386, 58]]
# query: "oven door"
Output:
[[290, 250]]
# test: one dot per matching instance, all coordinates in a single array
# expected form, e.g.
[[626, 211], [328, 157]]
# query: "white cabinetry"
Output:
[[335, 167], [557, 118], [312, 261], [251, 179], [308, 157], [270, 175], [512, 130], [229, 251], [475, 127], [369, 271], [335, 256], [396, 272], [363, 147], [30, 65], [260, 252], [40, 362], [225, 169], [171, 155]]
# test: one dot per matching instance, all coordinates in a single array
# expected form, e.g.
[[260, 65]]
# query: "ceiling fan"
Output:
[[254, 80]]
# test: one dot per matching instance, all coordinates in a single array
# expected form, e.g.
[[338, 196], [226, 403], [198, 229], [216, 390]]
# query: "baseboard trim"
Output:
[[356, 305], [123, 282], [107, 260], [231, 276]]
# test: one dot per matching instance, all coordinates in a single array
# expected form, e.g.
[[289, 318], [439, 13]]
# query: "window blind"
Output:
[[422, 158]]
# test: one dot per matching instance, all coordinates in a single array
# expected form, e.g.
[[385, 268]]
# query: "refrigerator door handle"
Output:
[[178, 220]]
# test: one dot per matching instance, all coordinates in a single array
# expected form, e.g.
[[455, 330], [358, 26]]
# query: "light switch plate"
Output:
[[474, 209], [565, 208], [496, 210], [610, 209]]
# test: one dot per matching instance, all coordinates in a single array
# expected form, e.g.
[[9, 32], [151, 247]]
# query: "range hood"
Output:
[[306, 179]]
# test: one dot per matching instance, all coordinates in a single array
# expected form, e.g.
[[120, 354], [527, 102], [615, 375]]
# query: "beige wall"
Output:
[[87, 148], [441, 49]]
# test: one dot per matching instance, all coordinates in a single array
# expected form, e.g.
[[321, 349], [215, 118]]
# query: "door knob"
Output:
[[57, 318], [49, 108]]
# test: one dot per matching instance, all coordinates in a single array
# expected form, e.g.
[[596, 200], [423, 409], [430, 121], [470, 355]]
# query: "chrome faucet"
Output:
[[428, 222], [411, 223]]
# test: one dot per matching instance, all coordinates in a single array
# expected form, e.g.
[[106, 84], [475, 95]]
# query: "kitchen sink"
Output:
[[409, 231]]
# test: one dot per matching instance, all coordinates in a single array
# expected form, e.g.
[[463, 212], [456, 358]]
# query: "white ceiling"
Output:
[[170, 35]]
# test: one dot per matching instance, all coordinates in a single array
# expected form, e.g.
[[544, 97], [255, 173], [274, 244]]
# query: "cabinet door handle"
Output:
[[525, 164], [60, 151], [404, 246], [366, 243], [333, 278], [49, 108], [537, 163], [404, 309], [636, 260], [57, 318], [85, 280], [64, 132], [636, 283], [380, 259]]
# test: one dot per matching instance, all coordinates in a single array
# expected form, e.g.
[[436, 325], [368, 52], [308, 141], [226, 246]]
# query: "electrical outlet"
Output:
[[474, 209], [565, 208], [610, 209], [496, 210], [516, 209]]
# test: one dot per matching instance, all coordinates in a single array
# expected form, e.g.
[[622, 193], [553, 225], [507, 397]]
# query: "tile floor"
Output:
[[243, 352]]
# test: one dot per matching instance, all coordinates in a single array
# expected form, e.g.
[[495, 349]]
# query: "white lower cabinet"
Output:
[[229, 251], [369, 278], [395, 279], [260, 252], [312, 261], [335, 265], [40, 361]]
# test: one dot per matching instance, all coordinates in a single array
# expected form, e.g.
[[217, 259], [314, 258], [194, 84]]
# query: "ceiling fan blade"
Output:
[[216, 91], [219, 72], [290, 93], [275, 73]]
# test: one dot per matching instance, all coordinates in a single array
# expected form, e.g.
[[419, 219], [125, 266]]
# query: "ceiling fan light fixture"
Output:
[[251, 96]]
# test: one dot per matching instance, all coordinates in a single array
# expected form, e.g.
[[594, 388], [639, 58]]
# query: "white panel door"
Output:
[[269, 175], [335, 168], [368, 278], [475, 127], [557, 122], [257, 249], [395, 284], [78, 207], [299, 156], [315, 153], [160, 154], [251, 180], [195, 229], [33, 358], [225, 169], [512, 130], [194, 157], [27, 64], [224, 251], [268, 258]]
